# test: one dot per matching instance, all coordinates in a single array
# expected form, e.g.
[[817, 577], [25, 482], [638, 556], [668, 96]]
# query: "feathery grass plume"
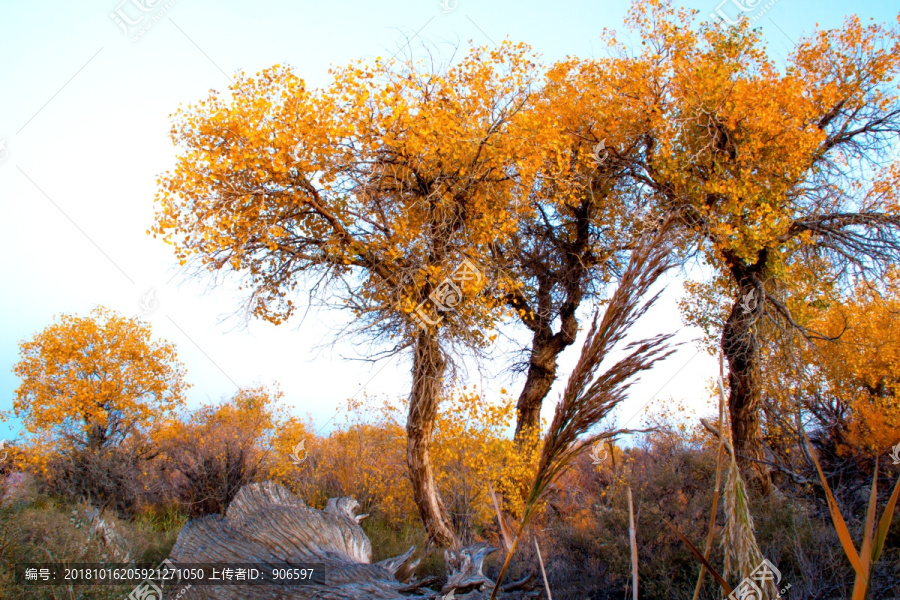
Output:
[[742, 554], [588, 397]]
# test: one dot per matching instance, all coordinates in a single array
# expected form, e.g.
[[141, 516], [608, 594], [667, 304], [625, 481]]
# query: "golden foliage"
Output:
[[388, 177], [768, 162], [473, 451], [861, 370], [365, 456], [89, 382]]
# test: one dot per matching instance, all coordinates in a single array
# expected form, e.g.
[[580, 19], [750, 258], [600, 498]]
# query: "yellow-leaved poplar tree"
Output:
[[771, 167], [388, 187], [88, 382]]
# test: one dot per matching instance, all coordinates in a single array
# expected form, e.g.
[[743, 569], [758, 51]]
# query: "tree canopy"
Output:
[[772, 167], [89, 381]]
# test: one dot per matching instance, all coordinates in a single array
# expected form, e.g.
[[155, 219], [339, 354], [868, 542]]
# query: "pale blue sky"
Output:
[[84, 112]]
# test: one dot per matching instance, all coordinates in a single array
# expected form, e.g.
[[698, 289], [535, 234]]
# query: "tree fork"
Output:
[[541, 375], [546, 346]]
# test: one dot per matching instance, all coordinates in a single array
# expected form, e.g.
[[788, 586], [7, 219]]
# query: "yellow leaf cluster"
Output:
[[365, 456], [89, 381]]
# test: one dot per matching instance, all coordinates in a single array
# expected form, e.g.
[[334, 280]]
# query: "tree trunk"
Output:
[[428, 371], [741, 347], [541, 375], [546, 346]]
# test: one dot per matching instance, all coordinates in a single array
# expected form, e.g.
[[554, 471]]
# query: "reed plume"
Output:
[[589, 397]]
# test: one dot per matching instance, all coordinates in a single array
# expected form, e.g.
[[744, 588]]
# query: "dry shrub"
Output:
[[212, 452], [586, 526], [584, 531], [109, 477]]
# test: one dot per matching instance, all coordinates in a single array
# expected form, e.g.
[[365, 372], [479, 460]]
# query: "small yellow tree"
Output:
[[474, 452], [88, 382]]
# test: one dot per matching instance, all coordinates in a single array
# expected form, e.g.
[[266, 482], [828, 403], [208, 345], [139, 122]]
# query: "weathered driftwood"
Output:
[[465, 569], [267, 525], [116, 546]]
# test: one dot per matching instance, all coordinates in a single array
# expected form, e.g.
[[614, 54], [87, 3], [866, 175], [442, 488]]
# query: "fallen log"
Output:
[[268, 526]]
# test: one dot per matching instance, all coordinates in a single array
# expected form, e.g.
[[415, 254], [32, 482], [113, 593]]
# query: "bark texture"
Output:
[[541, 375], [740, 345], [547, 345], [560, 259], [266, 524], [428, 371]]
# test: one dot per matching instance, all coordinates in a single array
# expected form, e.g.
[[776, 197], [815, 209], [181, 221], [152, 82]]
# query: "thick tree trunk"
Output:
[[546, 346], [428, 371], [541, 375], [741, 347]]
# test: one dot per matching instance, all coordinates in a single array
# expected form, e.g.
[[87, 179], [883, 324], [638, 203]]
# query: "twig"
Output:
[[419, 584], [716, 432], [543, 572], [699, 555], [632, 536], [722, 445]]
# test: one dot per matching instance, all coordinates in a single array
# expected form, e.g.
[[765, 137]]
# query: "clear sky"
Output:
[[84, 134]]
